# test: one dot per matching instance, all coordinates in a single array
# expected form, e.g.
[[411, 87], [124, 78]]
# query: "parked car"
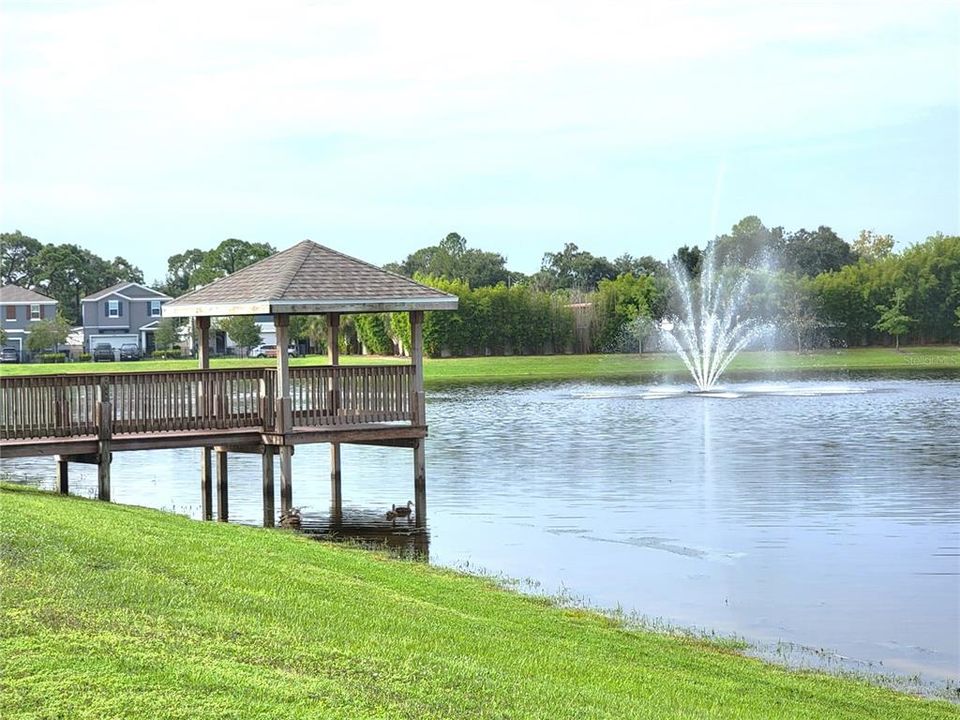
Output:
[[9, 355], [261, 351], [130, 351], [270, 351], [103, 352]]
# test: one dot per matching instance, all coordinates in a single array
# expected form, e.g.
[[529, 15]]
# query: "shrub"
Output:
[[52, 357], [169, 354], [373, 331], [84, 357]]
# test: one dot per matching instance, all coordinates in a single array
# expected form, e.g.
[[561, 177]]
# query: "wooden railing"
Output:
[[349, 395], [184, 400]]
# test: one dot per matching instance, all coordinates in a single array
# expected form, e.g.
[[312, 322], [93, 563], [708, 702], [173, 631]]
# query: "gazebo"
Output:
[[367, 404]]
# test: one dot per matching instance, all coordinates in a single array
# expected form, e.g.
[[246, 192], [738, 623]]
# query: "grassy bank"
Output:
[[571, 367], [111, 611]]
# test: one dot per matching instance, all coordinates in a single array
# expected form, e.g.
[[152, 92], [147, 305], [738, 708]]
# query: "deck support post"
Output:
[[104, 420], [420, 483], [418, 413], [333, 358], [206, 483], [284, 420], [223, 511], [63, 478], [286, 479], [268, 493], [206, 455], [336, 496]]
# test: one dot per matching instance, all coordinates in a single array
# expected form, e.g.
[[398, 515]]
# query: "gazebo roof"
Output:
[[309, 278]]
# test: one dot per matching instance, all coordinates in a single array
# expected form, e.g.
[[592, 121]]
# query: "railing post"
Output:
[[104, 417], [333, 358], [417, 404], [61, 409], [206, 456]]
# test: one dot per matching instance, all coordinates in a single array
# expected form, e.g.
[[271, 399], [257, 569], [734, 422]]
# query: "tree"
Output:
[[451, 259], [645, 265], [242, 329], [748, 242], [180, 271], [622, 309], [373, 331], [691, 259], [228, 257], [871, 246], [578, 269], [48, 334], [892, 318], [68, 272], [639, 328], [798, 306], [17, 254], [167, 334], [814, 252], [123, 271], [316, 331]]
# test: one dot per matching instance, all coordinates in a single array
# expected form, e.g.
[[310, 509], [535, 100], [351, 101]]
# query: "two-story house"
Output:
[[19, 309], [128, 312]]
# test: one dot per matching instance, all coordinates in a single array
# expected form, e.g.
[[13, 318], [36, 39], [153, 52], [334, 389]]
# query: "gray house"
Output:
[[126, 313], [19, 309]]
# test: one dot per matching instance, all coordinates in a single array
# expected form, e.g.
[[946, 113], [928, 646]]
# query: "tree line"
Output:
[[816, 287]]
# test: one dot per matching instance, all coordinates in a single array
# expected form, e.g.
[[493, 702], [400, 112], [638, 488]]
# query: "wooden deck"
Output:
[[86, 418], [49, 408]]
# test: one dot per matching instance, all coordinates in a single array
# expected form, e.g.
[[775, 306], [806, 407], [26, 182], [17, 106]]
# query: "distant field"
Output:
[[566, 367]]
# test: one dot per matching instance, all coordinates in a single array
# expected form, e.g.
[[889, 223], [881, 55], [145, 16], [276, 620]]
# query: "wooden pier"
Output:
[[267, 411]]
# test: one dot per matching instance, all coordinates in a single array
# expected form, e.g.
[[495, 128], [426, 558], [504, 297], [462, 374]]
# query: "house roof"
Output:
[[10, 294], [128, 290], [309, 278]]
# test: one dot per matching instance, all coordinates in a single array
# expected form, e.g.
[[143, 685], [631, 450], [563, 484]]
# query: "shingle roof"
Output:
[[129, 289], [17, 294], [309, 278]]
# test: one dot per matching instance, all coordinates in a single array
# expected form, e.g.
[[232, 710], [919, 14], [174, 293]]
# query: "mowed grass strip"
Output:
[[111, 611], [564, 367]]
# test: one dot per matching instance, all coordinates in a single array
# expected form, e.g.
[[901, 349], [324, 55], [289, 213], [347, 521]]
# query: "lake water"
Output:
[[823, 513]]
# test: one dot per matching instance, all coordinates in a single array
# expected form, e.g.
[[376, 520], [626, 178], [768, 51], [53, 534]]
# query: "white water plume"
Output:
[[710, 332]]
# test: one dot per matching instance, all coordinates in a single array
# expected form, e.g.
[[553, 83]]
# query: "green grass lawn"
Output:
[[112, 611], [567, 367]]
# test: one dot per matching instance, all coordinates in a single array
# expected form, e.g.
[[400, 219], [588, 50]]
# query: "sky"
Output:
[[143, 129]]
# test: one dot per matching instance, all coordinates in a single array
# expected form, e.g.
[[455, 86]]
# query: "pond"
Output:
[[823, 513]]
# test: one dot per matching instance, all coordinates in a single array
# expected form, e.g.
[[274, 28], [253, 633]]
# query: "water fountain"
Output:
[[710, 332]]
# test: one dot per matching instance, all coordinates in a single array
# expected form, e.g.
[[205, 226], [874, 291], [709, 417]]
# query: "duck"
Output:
[[291, 520], [403, 510], [391, 515]]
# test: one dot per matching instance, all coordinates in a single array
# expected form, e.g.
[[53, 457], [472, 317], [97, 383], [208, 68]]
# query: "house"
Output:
[[127, 312], [19, 308]]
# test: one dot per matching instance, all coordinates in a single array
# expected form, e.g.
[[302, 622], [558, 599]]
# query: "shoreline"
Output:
[[440, 371], [455, 644]]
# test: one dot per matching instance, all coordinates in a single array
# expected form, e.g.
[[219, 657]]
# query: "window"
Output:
[[11, 312], [113, 308], [154, 308], [35, 311]]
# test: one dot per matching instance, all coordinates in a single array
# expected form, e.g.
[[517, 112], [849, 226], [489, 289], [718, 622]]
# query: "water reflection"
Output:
[[399, 536]]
